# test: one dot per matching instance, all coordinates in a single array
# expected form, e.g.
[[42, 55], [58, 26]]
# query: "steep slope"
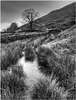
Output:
[[63, 12], [64, 44], [64, 17], [60, 19]]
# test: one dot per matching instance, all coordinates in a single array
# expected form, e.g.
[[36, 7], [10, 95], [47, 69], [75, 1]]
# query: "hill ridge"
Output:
[[62, 18]]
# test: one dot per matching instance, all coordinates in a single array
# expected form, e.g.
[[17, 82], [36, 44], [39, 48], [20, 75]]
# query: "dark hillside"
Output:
[[60, 19]]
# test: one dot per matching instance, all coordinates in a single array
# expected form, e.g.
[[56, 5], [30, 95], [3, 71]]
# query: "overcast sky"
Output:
[[11, 10]]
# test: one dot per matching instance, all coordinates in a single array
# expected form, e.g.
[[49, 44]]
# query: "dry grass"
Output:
[[10, 54], [15, 85], [12, 85], [48, 90]]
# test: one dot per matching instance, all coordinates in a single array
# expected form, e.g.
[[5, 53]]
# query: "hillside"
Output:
[[60, 19], [60, 54], [64, 43], [41, 65]]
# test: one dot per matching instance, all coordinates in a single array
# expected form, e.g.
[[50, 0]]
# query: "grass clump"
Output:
[[46, 61], [29, 54], [6, 58], [48, 90], [10, 54], [12, 85]]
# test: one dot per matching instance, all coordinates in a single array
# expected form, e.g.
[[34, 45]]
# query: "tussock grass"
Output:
[[29, 54], [45, 60], [38, 66], [6, 58], [10, 54], [48, 90], [48, 63], [12, 85], [69, 65]]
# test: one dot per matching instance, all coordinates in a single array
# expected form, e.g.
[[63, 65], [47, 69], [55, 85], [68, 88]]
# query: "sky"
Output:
[[11, 11]]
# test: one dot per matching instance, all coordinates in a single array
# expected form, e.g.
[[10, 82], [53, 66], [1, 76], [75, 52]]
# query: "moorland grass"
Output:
[[13, 86], [48, 90]]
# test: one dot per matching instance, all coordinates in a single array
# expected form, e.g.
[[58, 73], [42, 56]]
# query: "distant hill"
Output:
[[61, 19]]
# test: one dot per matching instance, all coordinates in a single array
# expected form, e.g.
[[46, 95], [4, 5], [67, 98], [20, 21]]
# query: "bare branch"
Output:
[[29, 15]]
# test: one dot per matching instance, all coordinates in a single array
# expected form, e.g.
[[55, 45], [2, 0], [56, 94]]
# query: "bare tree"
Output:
[[29, 15]]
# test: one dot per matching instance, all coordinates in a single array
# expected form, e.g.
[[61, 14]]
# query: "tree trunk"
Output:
[[31, 26]]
